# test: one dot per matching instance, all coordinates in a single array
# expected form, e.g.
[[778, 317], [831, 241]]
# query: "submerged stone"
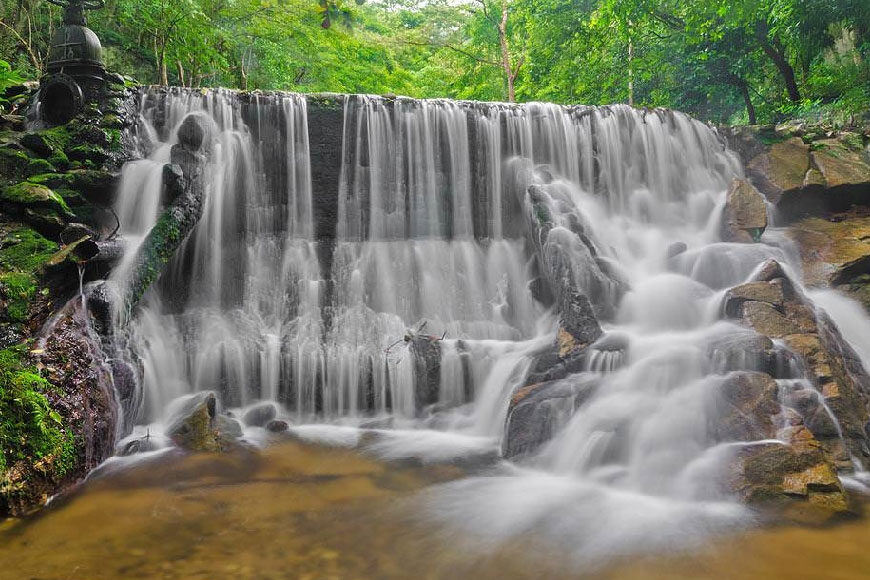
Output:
[[260, 414], [191, 426]]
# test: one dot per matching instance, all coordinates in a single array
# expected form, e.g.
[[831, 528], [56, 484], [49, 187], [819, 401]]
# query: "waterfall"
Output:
[[419, 300]]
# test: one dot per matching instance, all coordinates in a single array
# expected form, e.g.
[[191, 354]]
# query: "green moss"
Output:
[[24, 250], [112, 121], [853, 141], [114, 140], [47, 141], [59, 160], [19, 288], [769, 136], [327, 101], [13, 163], [23, 253], [28, 193], [37, 166], [30, 429], [88, 154]]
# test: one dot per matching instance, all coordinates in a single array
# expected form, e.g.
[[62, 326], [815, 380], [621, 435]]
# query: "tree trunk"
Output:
[[750, 108], [509, 74], [180, 73], [171, 229], [775, 51], [161, 65]]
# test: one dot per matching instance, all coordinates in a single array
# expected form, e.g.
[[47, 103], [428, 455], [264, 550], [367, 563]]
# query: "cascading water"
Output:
[[435, 243]]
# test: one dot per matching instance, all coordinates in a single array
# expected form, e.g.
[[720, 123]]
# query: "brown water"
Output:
[[300, 511]]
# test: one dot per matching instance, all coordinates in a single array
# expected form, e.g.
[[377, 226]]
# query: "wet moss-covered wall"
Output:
[[57, 409]]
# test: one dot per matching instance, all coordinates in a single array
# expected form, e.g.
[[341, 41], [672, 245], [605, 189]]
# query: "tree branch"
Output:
[[34, 59]]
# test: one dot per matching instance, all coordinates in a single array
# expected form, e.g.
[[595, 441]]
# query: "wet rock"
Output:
[[827, 361], [839, 163], [538, 411], [770, 270], [767, 320], [676, 249], [38, 143], [427, 369], [745, 214], [125, 379], [192, 133], [191, 427], [851, 271], [836, 252], [35, 196], [783, 167], [173, 180], [259, 415], [768, 292], [227, 430], [82, 395], [76, 231], [578, 326], [102, 299], [277, 426], [748, 352], [541, 291], [793, 478], [747, 403]]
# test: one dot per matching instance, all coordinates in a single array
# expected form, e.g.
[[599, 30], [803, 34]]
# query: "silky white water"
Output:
[[436, 235]]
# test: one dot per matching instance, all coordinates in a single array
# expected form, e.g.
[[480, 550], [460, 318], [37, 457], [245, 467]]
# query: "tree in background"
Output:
[[724, 60]]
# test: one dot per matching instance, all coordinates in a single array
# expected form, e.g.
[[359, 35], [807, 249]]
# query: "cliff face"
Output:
[[58, 415], [819, 181]]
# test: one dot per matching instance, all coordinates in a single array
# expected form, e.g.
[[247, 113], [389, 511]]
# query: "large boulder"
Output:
[[836, 252], [805, 170], [745, 214], [567, 255], [538, 411], [771, 293], [781, 168], [796, 479], [829, 364]]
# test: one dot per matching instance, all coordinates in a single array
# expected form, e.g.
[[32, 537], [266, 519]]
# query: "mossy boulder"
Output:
[[97, 186], [13, 164], [88, 153], [37, 166], [46, 142], [196, 426], [23, 256], [34, 195]]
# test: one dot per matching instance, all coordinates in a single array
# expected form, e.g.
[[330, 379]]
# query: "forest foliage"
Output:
[[724, 60]]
